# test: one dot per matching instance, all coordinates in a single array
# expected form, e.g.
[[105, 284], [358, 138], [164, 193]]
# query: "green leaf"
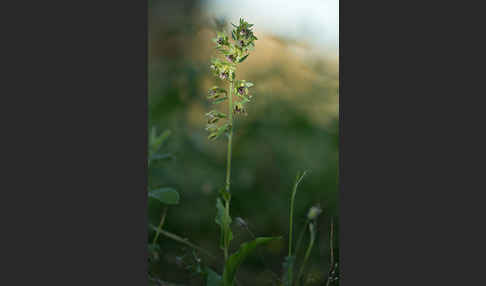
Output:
[[220, 212], [219, 100], [219, 132], [213, 278], [167, 196], [237, 258], [224, 222], [156, 141], [225, 194], [215, 113], [161, 157], [244, 99], [243, 58]]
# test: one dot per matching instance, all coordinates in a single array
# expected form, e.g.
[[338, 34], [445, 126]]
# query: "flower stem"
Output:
[[228, 169], [307, 253], [292, 199], [230, 137]]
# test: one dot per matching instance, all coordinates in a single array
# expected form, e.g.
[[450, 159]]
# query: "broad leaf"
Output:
[[167, 196], [235, 260]]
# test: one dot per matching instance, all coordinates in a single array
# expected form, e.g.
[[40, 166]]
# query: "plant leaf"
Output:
[[237, 258], [225, 194], [219, 100], [215, 135], [220, 212], [243, 58], [167, 196], [161, 157], [219, 220], [156, 141], [223, 221], [213, 278]]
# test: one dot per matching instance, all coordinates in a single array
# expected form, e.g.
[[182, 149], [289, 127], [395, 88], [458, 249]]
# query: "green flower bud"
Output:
[[212, 120], [213, 136], [212, 128]]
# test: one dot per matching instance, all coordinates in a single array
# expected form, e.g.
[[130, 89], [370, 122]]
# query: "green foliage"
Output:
[[288, 270], [155, 142], [298, 179], [217, 130], [167, 196], [290, 259], [213, 278], [236, 259], [224, 221], [154, 250], [312, 231]]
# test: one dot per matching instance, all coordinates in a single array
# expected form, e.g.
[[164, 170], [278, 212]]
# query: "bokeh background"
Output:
[[292, 125]]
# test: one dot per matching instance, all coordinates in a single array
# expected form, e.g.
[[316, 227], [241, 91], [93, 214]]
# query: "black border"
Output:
[[75, 174]]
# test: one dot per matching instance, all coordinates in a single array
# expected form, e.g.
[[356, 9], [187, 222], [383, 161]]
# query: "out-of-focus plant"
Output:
[[166, 196], [290, 259]]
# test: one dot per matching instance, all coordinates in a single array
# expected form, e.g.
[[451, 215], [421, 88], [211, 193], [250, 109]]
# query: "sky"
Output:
[[315, 21]]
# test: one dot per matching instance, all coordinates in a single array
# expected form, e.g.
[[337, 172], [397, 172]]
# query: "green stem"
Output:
[[292, 199], [230, 137], [301, 237], [307, 253], [291, 222], [185, 241], [289, 274], [228, 169], [159, 228]]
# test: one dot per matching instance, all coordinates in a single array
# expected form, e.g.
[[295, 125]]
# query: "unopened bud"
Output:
[[314, 212]]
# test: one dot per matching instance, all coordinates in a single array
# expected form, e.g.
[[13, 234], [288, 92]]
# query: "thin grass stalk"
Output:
[[161, 224]]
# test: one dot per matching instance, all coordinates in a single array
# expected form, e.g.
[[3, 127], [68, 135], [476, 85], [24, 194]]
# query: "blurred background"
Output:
[[292, 125]]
